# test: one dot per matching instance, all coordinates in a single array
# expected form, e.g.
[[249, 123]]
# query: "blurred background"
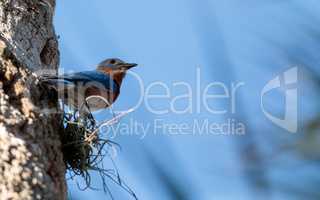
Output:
[[249, 42]]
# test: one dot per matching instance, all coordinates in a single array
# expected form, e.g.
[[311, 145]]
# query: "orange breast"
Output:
[[117, 76]]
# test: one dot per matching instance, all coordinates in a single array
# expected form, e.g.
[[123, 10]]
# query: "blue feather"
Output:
[[90, 77]]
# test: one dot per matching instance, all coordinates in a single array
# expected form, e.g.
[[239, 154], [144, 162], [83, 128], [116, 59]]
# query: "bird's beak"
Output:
[[128, 65]]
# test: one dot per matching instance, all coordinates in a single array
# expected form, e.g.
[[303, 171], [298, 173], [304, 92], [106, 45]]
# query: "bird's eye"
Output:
[[113, 61]]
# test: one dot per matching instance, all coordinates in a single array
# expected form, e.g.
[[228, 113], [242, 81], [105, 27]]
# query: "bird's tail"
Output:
[[55, 82]]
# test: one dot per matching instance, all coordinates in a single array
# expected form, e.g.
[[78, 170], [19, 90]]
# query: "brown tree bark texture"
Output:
[[31, 162]]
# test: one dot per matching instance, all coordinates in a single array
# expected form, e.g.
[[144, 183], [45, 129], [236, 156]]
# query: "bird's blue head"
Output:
[[115, 64], [116, 68]]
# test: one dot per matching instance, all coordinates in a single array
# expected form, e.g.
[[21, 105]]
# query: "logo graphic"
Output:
[[287, 80]]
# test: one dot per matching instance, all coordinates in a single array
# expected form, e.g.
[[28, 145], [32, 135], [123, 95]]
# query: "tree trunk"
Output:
[[31, 161]]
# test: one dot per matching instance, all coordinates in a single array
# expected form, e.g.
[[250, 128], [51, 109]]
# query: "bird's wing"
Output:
[[93, 77], [96, 78]]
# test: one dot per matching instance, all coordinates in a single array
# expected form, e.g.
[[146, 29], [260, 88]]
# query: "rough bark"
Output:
[[31, 162]]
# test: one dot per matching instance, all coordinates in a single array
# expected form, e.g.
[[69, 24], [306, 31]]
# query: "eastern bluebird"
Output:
[[96, 89]]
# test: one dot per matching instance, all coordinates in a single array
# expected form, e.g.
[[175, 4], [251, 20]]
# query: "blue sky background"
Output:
[[230, 41]]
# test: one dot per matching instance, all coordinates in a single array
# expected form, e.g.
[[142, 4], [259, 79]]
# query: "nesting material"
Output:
[[84, 149]]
